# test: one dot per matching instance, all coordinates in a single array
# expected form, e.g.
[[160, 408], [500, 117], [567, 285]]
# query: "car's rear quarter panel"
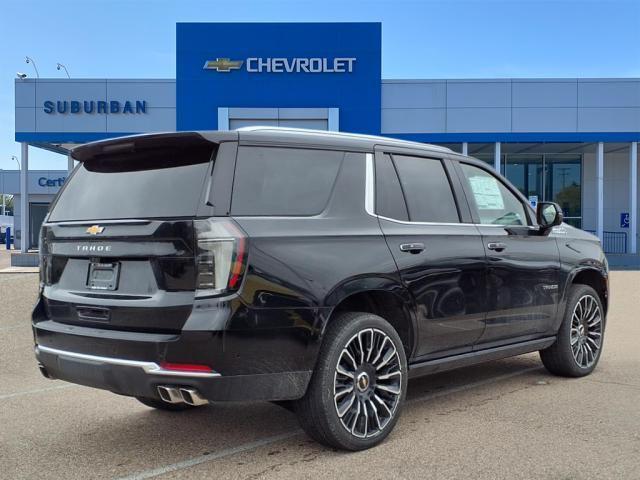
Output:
[[301, 267]]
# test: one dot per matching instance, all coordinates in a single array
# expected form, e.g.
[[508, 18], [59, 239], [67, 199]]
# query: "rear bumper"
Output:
[[139, 378], [256, 354]]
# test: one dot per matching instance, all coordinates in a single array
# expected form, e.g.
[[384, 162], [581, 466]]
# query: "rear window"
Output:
[[283, 181], [427, 190], [389, 198], [165, 183]]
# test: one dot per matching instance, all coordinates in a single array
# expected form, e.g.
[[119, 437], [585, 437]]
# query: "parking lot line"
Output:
[[13, 327], [227, 452], [37, 390], [212, 456]]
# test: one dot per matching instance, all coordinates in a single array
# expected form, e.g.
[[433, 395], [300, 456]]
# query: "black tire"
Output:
[[160, 405], [378, 387], [564, 358]]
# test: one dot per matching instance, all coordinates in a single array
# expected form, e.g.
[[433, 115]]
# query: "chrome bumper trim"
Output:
[[150, 368]]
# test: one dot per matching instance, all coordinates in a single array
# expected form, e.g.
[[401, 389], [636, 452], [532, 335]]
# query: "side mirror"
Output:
[[548, 215]]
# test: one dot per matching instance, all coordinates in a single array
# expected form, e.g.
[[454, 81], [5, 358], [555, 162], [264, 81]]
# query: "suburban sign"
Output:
[[284, 65], [94, 106]]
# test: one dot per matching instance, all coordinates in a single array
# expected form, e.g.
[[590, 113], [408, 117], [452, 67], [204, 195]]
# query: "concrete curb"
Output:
[[10, 270]]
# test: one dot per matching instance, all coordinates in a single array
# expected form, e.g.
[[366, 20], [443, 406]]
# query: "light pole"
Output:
[[62, 66], [3, 207], [3, 200], [30, 60]]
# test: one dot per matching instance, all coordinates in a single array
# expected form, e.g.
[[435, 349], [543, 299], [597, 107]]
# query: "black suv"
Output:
[[313, 269]]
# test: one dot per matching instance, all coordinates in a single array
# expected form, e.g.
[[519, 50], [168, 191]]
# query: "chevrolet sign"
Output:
[[222, 64], [284, 65]]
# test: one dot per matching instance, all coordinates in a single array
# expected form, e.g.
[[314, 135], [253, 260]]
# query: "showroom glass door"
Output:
[[549, 177], [37, 212], [525, 171], [563, 185]]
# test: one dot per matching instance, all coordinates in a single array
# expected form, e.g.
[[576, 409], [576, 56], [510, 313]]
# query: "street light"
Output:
[[61, 65], [17, 161], [30, 60]]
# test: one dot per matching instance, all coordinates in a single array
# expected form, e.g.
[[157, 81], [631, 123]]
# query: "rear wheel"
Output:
[[358, 388], [160, 405], [579, 344]]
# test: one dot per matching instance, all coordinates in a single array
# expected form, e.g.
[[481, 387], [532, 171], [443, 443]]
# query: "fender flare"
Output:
[[599, 269], [369, 284]]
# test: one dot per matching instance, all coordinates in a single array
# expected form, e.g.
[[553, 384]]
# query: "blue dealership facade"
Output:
[[574, 141]]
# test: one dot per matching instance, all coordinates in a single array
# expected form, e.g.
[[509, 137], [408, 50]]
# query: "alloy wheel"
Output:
[[586, 331], [367, 383]]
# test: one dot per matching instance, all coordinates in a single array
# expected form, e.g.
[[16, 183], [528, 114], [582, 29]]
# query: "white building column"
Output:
[[465, 148], [223, 118], [633, 198], [70, 163], [333, 120], [24, 197], [600, 191], [496, 157]]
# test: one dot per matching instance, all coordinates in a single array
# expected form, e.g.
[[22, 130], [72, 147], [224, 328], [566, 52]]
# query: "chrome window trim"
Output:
[[443, 224], [75, 223], [369, 186], [150, 368], [370, 209]]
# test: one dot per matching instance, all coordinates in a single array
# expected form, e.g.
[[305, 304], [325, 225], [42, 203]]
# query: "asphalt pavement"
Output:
[[506, 419]]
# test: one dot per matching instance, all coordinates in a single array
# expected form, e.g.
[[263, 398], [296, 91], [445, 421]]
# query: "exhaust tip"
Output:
[[192, 397], [170, 394]]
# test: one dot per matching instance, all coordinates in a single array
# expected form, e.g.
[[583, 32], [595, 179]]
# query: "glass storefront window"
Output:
[[563, 185], [549, 177], [482, 151], [525, 172]]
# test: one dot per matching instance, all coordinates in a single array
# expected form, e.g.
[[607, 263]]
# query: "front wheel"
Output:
[[358, 388], [579, 343]]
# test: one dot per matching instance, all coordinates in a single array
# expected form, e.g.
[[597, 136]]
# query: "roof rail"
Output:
[[309, 131]]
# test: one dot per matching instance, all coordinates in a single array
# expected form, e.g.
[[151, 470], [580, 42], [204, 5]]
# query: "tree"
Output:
[[8, 204], [569, 199]]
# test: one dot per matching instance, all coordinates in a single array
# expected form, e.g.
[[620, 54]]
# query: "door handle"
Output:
[[497, 246], [412, 247]]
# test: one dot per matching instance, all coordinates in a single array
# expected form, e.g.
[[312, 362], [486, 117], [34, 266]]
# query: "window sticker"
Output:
[[486, 191]]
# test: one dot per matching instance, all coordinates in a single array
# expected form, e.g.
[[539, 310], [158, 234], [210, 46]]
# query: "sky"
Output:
[[421, 39]]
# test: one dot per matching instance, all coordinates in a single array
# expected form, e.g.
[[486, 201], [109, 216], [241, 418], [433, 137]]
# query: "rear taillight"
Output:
[[186, 367], [45, 260], [221, 257]]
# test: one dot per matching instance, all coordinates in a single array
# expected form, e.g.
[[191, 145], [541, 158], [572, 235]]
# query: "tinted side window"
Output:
[[389, 198], [427, 189], [283, 181], [494, 202]]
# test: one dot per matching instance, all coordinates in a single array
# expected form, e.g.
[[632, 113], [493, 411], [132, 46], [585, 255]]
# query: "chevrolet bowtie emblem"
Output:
[[94, 229], [223, 64]]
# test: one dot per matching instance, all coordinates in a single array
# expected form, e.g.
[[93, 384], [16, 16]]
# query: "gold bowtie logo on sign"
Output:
[[223, 64], [94, 230]]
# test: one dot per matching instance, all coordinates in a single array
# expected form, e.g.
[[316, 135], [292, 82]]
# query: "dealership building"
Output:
[[572, 141]]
